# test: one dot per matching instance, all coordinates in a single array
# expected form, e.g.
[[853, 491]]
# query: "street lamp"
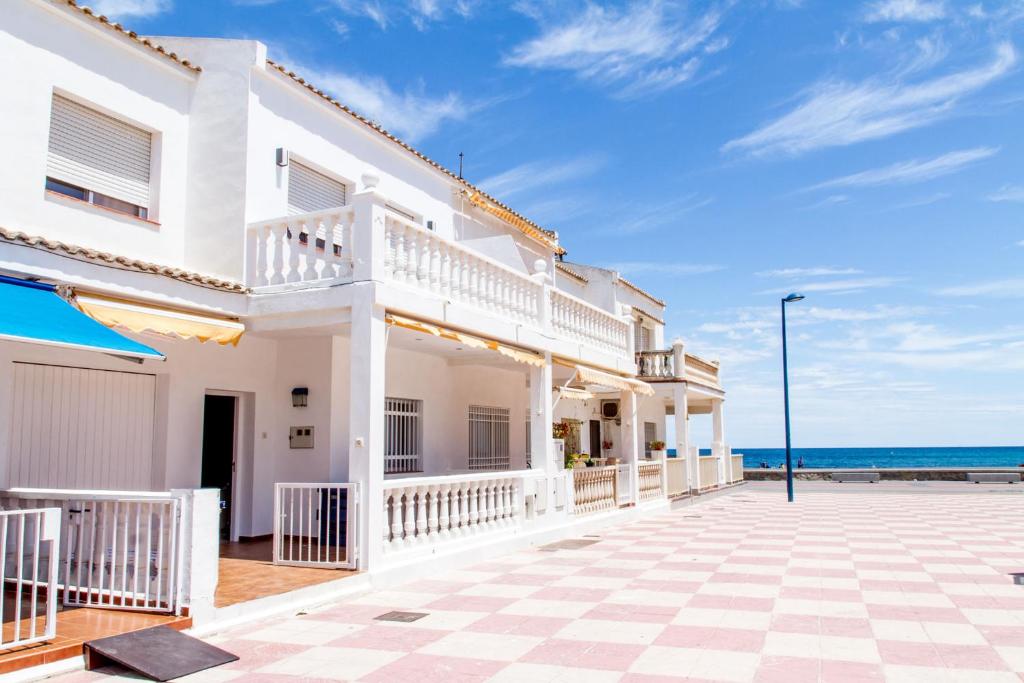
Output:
[[792, 298]]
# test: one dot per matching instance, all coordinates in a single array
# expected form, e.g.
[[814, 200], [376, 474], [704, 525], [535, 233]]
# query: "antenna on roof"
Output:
[[461, 155]]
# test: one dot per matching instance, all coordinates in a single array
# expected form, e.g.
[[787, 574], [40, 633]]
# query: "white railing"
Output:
[[420, 258], [402, 464], [656, 364], [650, 480], [708, 471], [119, 549], [424, 511], [737, 467], [315, 525], [576, 319], [700, 370], [676, 479], [594, 489], [28, 575], [308, 247], [624, 483]]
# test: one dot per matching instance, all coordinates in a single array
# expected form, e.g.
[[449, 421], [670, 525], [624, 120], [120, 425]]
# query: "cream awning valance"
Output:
[[138, 317], [474, 342], [574, 393], [588, 375]]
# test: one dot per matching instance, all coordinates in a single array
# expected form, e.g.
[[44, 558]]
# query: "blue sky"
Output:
[[720, 154]]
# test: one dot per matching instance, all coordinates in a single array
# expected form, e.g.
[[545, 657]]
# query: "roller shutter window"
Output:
[[99, 153], [309, 190]]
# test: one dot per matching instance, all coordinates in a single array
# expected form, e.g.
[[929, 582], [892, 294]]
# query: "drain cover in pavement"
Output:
[[403, 617]]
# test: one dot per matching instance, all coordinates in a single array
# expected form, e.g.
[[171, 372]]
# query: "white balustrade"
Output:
[[737, 467], [656, 364], [594, 489], [423, 259], [307, 247], [576, 319], [423, 511], [650, 480]]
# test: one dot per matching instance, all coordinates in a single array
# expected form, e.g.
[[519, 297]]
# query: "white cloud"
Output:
[[1008, 193], [1010, 288], [843, 286], [1021, 243], [913, 171], [410, 114], [905, 10], [663, 268], [831, 200], [835, 113], [635, 51], [540, 174], [818, 271], [921, 201], [131, 8]]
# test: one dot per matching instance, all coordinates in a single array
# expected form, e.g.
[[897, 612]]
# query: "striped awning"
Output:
[[137, 317], [588, 375], [472, 341]]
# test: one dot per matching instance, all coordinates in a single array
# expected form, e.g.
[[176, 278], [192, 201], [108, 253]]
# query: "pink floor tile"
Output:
[[393, 637], [434, 669], [910, 613], [909, 654], [728, 602], [1003, 635], [571, 594], [469, 603], [977, 657], [607, 656], [787, 670], [701, 637], [758, 579], [514, 624], [652, 614]]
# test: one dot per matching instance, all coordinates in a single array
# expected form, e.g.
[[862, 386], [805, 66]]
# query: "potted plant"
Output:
[[657, 449], [560, 430], [607, 445], [574, 460]]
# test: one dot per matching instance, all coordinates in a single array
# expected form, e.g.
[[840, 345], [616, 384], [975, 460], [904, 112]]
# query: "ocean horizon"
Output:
[[886, 457]]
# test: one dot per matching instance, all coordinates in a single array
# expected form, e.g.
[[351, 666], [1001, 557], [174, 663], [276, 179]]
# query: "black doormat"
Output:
[[159, 653]]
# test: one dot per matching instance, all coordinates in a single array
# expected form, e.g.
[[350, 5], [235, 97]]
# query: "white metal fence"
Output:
[[315, 525], [28, 575], [402, 435], [119, 549], [488, 438], [624, 483]]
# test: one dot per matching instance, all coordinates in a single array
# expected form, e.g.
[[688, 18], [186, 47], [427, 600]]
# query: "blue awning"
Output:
[[34, 313]]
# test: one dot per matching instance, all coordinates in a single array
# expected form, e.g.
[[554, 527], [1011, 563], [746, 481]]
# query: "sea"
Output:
[[898, 457]]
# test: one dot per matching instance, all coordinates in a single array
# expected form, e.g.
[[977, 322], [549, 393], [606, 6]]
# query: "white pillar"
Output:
[[682, 430], [541, 418], [628, 437], [718, 438], [366, 418]]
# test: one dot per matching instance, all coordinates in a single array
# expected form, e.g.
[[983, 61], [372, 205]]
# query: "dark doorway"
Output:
[[595, 439], [219, 454]]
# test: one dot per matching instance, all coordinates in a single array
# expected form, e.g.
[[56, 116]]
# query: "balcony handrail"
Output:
[[433, 480], [297, 217], [596, 309]]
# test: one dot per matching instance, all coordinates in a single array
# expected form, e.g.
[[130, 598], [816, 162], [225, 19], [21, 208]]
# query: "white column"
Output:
[[718, 438], [366, 418], [628, 437], [368, 232], [542, 453], [682, 430]]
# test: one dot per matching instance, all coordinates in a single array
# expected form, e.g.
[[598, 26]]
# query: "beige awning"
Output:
[[588, 375], [574, 393], [138, 317], [472, 341]]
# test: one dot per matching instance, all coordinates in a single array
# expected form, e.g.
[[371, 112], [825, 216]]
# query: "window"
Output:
[[641, 336], [401, 212], [310, 190], [98, 159], [650, 434], [488, 438], [402, 435]]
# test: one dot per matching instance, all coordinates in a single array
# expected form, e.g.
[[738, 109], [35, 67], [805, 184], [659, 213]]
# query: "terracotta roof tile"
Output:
[[132, 35], [122, 262], [570, 272], [641, 292], [390, 136], [647, 314]]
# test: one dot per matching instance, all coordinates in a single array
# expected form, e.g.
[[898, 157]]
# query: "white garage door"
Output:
[[82, 429]]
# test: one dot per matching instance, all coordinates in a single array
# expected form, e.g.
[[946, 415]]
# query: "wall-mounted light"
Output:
[[282, 156], [300, 397]]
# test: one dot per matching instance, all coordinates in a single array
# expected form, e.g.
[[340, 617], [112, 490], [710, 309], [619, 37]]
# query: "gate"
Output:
[[315, 525]]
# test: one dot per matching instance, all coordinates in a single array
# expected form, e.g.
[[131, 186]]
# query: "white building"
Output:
[[371, 321]]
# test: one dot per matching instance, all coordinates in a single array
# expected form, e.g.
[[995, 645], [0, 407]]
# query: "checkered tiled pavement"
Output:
[[882, 584]]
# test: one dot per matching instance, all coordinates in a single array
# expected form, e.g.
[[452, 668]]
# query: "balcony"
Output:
[[663, 365], [338, 246]]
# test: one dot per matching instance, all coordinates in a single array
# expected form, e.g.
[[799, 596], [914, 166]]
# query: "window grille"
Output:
[[488, 438], [402, 435]]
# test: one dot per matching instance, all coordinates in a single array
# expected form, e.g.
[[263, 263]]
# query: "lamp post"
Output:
[[792, 298]]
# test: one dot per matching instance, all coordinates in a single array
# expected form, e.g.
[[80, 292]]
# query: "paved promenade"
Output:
[[883, 582]]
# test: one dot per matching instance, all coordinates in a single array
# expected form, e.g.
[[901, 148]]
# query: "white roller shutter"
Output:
[[309, 190], [98, 152], [78, 428]]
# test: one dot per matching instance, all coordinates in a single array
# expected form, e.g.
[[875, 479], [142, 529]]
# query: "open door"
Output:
[[219, 453]]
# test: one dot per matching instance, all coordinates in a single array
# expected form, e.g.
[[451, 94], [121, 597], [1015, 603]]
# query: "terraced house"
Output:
[[243, 323]]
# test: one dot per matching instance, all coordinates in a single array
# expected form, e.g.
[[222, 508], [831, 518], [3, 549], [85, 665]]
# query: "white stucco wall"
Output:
[[50, 49]]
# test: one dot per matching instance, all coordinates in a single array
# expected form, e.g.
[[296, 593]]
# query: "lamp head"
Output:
[[793, 298]]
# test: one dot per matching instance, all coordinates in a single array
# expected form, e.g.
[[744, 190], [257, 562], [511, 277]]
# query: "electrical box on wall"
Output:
[[300, 437]]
